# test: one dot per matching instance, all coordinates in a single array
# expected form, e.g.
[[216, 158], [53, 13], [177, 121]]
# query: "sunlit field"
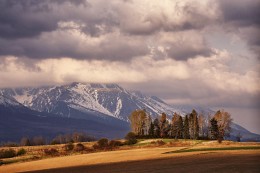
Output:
[[167, 153]]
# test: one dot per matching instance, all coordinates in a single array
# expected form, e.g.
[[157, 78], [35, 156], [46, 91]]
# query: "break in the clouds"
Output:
[[187, 52]]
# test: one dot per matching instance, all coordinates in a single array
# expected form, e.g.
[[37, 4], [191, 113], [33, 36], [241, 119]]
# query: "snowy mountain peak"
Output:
[[93, 101], [107, 99], [6, 101]]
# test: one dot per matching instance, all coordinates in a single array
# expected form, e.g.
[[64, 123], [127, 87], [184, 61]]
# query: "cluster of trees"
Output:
[[9, 153], [74, 137], [59, 139], [192, 126]]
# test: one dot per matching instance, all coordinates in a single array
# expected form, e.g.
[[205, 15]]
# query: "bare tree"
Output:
[[224, 123], [203, 129], [25, 141], [38, 140], [138, 120]]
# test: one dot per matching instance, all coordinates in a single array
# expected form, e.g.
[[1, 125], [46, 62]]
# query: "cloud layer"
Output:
[[173, 49]]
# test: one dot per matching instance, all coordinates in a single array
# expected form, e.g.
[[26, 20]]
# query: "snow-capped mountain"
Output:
[[17, 121], [6, 101], [100, 99], [97, 105]]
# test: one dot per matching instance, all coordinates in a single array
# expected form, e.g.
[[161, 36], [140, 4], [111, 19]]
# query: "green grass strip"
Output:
[[214, 149]]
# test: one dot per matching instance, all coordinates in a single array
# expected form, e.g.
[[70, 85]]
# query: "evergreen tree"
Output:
[[180, 127], [186, 132], [174, 126], [151, 130], [214, 128], [156, 128], [196, 127]]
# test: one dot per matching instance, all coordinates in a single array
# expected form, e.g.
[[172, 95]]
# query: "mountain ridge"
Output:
[[109, 99], [100, 103]]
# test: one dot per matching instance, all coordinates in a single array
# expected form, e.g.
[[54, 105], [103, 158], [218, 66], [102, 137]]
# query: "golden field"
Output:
[[145, 156]]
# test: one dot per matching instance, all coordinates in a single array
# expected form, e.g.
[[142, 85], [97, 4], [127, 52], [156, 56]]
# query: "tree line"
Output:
[[59, 139], [191, 126]]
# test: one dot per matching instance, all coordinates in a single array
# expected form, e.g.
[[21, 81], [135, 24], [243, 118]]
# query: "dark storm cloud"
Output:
[[29, 18], [244, 15], [42, 48], [241, 12], [27, 27], [31, 28]]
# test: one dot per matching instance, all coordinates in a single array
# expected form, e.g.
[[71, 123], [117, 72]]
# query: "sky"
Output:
[[186, 52]]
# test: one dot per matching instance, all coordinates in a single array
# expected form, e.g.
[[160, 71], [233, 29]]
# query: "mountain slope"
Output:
[[98, 99], [17, 121], [107, 104], [244, 133]]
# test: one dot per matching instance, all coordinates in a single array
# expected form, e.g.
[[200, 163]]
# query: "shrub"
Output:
[[21, 151], [10, 144], [158, 142], [89, 149], [131, 138], [114, 143], [69, 146], [51, 151], [79, 147], [7, 153], [95, 146], [54, 142], [220, 140], [103, 143]]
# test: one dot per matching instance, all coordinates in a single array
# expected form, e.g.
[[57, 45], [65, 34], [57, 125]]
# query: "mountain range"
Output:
[[101, 110]]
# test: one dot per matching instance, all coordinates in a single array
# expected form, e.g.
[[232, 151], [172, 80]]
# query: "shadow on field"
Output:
[[207, 162]]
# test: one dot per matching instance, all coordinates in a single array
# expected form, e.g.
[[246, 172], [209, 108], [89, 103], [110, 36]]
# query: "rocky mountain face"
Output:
[[106, 105], [107, 99]]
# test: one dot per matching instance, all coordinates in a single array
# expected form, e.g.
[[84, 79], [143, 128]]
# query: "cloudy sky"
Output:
[[186, 52]]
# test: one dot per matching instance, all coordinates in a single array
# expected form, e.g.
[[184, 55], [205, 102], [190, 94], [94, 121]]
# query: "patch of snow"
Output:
[[118, 107]]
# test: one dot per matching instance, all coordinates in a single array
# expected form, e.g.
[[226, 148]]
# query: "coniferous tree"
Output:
[[180, 126], [156, 128], [151, 129], [163, 125], [214, 132], [186, 132], [174, 126]]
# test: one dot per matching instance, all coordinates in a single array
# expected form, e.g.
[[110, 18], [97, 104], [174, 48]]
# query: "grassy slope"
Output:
[[141, 151]]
